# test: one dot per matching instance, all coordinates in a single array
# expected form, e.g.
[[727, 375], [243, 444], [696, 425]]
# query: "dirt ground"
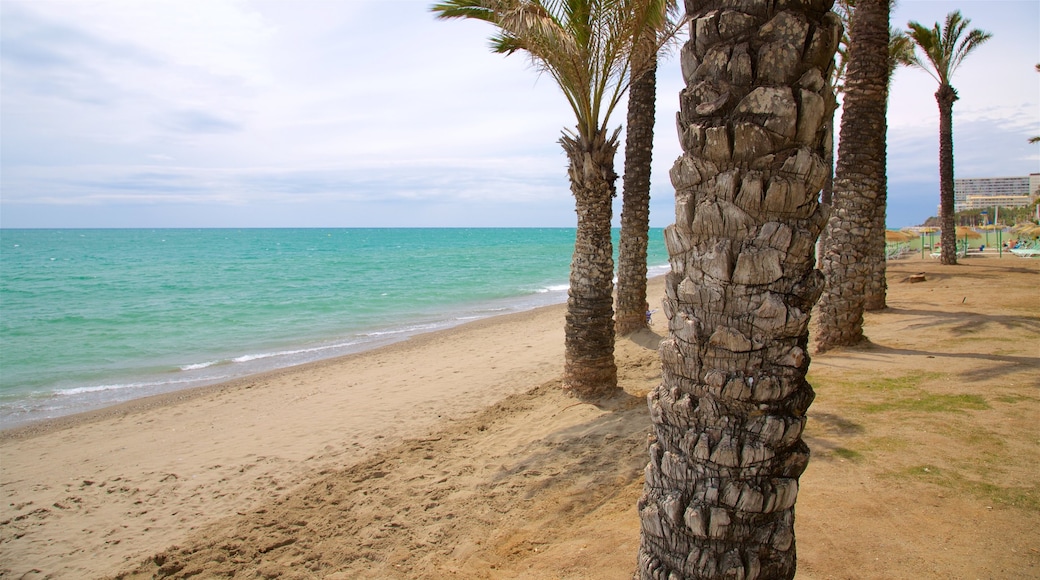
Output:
[[926, 447]]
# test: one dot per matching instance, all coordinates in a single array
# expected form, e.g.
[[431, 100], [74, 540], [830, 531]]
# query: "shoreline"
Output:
[[378, 338], [57, 402], [177, 396]]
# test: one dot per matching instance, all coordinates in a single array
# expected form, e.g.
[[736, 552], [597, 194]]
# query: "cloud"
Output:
[[193, 121], [180, 113]]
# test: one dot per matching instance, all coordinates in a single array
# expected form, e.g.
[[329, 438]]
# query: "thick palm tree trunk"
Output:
[[945, 96], [589, 368], [860, 184], [726, 450], [635, 209]]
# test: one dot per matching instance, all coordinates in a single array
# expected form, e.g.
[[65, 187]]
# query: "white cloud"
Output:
[[186, 112]]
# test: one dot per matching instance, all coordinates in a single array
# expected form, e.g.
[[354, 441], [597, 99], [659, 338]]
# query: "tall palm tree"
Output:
[[943, 52], [876, 287], [586, 46], [860, 184], [635, 208], [726, 450], [876, 291]]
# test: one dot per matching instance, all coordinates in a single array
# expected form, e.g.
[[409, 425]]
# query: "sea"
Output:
[[95, 317]]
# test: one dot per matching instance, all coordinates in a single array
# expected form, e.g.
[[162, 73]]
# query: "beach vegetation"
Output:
[[589, 48], [846, 453], [1021, 496], [923, 402], [939, 51], [726, 448], [878, 383]]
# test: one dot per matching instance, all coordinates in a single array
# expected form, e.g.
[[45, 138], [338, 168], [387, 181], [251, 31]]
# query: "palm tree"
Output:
[[586, 46], [635, 209], [942, 54], [875, 287], [726, 450], [876, 292], [860, 187]]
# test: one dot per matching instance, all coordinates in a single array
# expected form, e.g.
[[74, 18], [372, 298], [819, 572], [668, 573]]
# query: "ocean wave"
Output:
[[412, 329], [281, 353], [553, 288], [202, 365], [113, 387]]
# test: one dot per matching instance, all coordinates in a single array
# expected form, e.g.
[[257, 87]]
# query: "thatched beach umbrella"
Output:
[[898, 236], [966, 232], [1031, 230]]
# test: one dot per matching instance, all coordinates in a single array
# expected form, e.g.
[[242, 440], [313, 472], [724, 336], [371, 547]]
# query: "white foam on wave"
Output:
[[113, 387], [200, 366], [554, 288], [658, 270], [405, 330], [283, 353]]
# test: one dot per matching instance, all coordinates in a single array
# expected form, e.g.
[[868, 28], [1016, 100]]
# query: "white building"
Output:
[[985, 192]]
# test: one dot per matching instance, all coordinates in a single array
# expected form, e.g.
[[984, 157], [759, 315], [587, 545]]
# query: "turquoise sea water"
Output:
[[95, 317]]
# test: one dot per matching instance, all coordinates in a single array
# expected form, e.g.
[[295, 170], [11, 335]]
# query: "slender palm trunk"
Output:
[[589, 368], [726, 450], [945, 96], [849, 263], [635, 209]]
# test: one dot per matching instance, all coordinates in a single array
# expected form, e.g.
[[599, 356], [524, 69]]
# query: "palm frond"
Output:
[[900, 50], [589, 47], [940, 45], [974, 39]]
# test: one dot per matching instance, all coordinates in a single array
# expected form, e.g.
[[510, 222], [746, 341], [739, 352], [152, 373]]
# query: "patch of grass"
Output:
[[846, 453], [875, 384], [1012, 399], [1025, 497], [930, 403], [887, 443], [910, 381]]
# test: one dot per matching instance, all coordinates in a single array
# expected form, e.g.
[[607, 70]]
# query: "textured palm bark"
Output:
[[850, 259], [827, 193], [635, 208], [876, 294], [726, 450], [589, 367], [945, 97]]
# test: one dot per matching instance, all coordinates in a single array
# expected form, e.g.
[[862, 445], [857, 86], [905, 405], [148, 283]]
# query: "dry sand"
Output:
[[455, 454]]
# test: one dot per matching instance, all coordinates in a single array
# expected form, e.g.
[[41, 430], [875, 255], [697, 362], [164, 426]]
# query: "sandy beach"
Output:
[[455, 454]]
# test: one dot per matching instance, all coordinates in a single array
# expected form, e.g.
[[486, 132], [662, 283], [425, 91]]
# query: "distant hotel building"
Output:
[[985, 192]]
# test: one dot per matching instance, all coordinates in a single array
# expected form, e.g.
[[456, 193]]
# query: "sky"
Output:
[[359, 113]]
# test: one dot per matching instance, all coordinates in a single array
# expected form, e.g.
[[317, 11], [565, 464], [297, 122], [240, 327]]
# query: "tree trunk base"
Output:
[[594, 379], [874, 305], [631, 324]]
